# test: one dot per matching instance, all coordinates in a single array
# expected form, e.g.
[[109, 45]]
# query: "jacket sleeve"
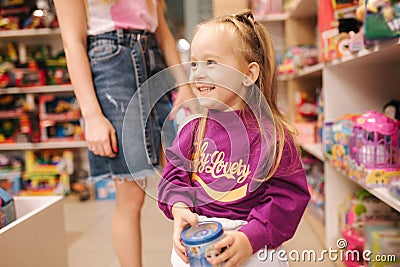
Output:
[[282, 205], [175, 184]]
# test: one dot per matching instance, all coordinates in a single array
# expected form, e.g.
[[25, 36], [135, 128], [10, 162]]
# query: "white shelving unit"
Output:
[[67, 88], [353, 84], [356, 85]]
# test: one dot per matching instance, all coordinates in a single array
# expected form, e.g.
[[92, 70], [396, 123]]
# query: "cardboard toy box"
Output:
[[105, 189], [37, 237]]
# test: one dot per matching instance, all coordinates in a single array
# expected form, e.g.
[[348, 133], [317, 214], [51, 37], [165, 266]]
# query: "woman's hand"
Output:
[[182, 218], [100, 136], [185, 98], [238, 249]]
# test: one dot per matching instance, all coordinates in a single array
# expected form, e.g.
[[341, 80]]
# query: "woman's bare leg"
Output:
[[126, 230]]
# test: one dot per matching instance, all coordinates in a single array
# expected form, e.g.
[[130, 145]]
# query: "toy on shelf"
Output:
[[7, 208], [59, 118], [341, 131], [10, 173], [382, 19], [383, 240], [374, 148], [392, 109], [58, 107], [47, 172]]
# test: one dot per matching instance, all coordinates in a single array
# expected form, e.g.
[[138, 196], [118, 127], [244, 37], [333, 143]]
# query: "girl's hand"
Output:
[[182, 218], [100, 136], [238, 249]]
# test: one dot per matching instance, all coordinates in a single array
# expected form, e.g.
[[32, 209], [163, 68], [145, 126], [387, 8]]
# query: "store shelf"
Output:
[[310, 71], [313, 71], [385, 53], [38, 89], [43, 145], [315, 149], [381, 193], [29, 33]]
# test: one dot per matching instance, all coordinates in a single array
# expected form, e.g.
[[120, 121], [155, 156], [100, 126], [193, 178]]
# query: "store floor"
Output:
[[89, 242]]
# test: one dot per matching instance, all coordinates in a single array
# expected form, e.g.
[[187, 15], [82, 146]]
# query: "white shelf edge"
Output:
[[38, 89], [311, 70], [308, 71], [28, 32], [43, 145], [315, 149], [381, 193], [364, 53]]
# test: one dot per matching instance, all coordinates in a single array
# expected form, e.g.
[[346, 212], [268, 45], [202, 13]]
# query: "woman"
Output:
[[109, 45]]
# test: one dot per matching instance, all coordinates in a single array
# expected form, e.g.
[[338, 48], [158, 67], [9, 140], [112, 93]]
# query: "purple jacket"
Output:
[[232, 158]]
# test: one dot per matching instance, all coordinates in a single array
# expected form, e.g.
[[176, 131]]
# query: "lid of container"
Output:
[[203, 233]]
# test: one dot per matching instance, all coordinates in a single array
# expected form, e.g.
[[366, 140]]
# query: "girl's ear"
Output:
[[252, 73]]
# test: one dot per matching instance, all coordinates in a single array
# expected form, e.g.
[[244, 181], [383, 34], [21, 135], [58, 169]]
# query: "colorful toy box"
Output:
[[382, 19], [7, 208], [47, 172], [59, 118], [342, 129], [374, 149], [104, 189]]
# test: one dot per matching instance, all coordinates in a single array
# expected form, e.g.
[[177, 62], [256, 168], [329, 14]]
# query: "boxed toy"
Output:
[[384, 242], [382, 19], [7, 208], [105, 189]]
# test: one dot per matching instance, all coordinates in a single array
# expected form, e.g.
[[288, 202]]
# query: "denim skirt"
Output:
[[122, 61]]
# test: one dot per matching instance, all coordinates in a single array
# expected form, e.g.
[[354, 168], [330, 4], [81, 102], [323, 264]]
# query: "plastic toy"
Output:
[[47, 172], [16, 130], [392, 109], [374, 147]]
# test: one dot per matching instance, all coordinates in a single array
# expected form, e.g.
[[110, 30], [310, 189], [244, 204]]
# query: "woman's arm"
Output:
[[171, 57], [71, 16]]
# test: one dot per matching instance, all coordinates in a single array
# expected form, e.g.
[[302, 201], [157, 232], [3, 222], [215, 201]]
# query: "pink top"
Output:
[[122, 14]]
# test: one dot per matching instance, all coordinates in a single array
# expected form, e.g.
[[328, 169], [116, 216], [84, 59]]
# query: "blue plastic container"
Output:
[[199, 242]]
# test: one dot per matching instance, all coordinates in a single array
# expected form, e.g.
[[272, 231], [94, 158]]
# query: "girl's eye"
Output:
[[193, 64], [211, 62]]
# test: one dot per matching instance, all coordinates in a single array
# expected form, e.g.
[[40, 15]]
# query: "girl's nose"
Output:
[[199, 72]]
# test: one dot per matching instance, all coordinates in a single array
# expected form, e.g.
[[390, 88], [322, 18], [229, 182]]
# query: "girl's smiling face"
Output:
[[216, 71]]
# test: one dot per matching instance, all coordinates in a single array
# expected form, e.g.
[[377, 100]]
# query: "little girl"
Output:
[[237, 164]]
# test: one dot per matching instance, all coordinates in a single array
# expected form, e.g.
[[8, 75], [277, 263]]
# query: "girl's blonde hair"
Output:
[[256, 47]]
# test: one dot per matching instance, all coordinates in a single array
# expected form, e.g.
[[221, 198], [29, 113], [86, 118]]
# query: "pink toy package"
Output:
[[374, 148]]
